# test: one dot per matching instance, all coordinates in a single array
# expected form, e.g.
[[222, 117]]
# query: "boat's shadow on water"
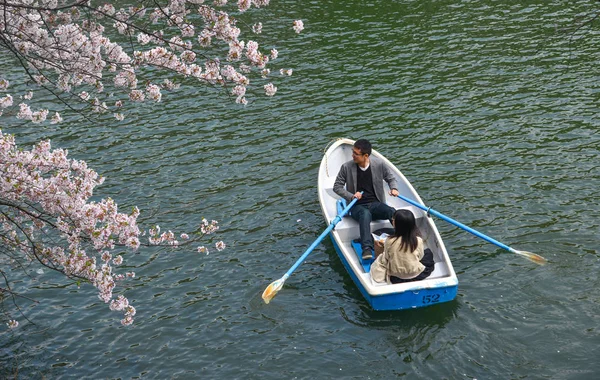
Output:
[[360, 312], [435, 315]]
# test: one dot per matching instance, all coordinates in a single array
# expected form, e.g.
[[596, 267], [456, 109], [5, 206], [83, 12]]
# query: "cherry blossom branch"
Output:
[[36, 8], [73, 45], [13, 323], [22, 61]]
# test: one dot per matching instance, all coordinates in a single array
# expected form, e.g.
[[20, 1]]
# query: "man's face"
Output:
[[358, 157]]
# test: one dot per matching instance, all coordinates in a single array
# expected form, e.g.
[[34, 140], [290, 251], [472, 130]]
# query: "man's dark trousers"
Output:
[[366, 212]]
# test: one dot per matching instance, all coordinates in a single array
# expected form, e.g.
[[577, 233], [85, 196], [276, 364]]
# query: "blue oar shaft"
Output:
[[456, 223], [335, 221]]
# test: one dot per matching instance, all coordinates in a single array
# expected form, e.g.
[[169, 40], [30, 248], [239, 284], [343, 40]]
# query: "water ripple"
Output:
[[489, 110]]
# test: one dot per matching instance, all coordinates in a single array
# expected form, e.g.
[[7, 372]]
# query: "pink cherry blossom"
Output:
[[207, 227], [153, 92], [39, 116], [24, 112], [41, 190], [128, 320], [56, 118], [106, 256], [71, 49], [84, 95], [298, 26], [270, 89], [244, 5], [6, 101], [137, 96]]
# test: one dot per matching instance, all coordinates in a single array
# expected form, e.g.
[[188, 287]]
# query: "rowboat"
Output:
[[440, 286]]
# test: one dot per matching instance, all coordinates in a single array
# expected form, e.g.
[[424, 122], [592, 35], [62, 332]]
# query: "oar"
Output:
[[276, 286], [528, 255]]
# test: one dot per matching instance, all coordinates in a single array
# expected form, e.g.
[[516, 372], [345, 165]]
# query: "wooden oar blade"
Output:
[[533, 257], [272, 289]]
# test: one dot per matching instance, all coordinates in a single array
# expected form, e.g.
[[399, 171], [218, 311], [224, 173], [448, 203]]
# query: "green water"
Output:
[[489, 109]]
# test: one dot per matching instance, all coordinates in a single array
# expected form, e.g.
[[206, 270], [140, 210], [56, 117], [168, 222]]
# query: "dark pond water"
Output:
[[489, 108]]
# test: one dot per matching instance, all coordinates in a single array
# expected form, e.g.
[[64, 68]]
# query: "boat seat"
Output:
[[439, 271]]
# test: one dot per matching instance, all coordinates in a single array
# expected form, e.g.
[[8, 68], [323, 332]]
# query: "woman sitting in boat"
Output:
[[403, 258]]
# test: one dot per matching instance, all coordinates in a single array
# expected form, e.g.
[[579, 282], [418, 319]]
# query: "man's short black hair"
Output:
[[364, 146]]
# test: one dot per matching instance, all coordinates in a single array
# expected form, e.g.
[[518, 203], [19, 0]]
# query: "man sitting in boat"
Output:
[[366, 174]]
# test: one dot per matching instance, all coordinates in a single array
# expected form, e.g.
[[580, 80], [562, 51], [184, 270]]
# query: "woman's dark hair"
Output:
[[364, 146], [405, 227]]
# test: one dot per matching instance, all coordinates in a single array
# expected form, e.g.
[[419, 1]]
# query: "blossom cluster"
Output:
[[122, 304], [220, 245], [207, 227], [46, 215], [298, 26], [42, 190], [66, 45]]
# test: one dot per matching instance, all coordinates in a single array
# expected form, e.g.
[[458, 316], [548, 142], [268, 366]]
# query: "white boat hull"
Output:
[[440, 286]]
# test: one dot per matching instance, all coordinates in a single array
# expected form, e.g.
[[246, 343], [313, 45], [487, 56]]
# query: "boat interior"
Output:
[[347, 231]]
